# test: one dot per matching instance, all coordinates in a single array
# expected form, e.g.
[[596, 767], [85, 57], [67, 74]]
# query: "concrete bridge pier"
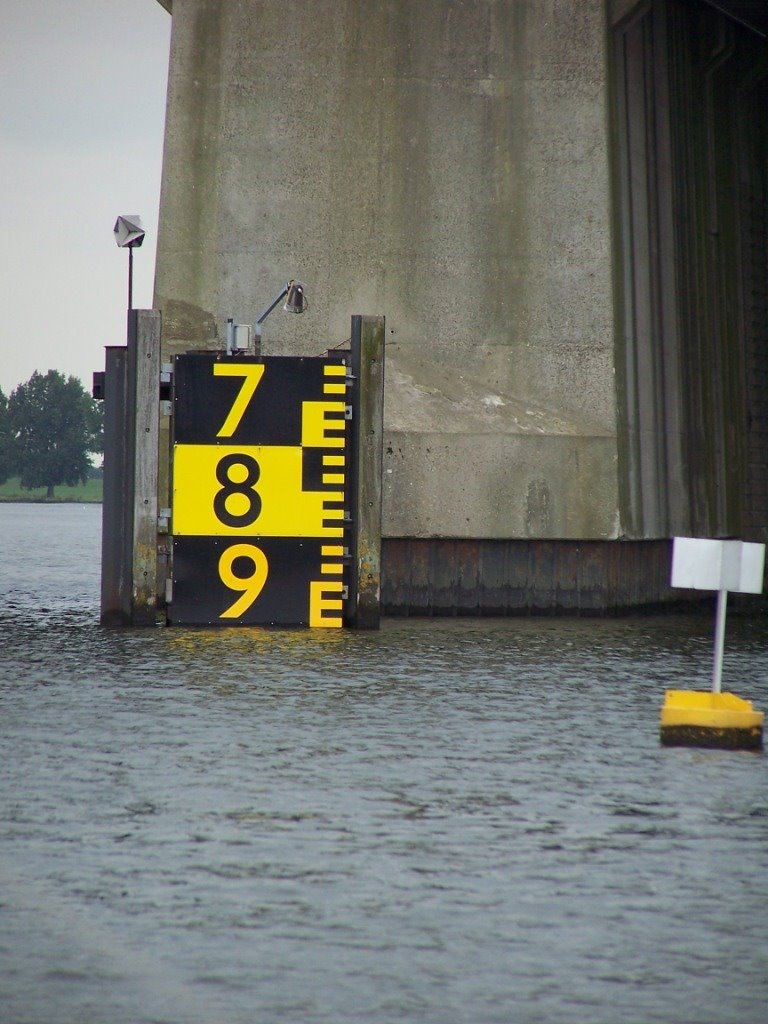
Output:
[[561, 396]]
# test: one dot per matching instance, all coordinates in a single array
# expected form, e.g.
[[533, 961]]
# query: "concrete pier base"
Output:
[[444, 577]]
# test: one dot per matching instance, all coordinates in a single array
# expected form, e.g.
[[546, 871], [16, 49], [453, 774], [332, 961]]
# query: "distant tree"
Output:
[[6, 441], [55, 425]]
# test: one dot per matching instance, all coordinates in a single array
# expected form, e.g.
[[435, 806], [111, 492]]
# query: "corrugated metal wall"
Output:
[[689, 87], [517, 577], [755, 275]]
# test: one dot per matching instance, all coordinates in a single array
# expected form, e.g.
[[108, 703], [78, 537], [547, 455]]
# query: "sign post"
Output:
[[367, 355], [715, 719], [129, 388], [720, 565]]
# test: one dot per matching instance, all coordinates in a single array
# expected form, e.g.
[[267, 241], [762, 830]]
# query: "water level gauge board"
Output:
[[259, 490]]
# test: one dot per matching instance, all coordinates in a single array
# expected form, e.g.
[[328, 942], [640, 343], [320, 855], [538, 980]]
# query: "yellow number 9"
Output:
[[249, 586]]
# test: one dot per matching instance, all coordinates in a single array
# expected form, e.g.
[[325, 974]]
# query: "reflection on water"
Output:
[[450, 821]]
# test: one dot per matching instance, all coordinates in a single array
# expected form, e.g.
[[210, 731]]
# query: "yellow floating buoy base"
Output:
[[697, 718]]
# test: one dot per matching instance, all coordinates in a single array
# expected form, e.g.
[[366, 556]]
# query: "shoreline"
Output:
[[49, 501], [89, 493]]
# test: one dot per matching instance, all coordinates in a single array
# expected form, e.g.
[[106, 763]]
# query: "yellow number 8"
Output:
[[251, 585]]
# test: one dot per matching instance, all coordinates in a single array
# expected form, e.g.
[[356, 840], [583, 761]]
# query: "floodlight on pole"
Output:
[[239, 335], [129, 234], [295, 302]]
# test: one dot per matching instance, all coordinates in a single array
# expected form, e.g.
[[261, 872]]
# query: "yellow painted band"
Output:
[[710, 710], [274, 504]]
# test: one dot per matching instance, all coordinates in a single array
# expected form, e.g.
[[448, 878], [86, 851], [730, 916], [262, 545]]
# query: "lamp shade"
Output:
[[129, 232], [296, 300]]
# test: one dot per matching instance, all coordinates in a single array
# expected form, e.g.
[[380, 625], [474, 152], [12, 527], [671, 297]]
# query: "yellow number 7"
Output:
[[251, 374]]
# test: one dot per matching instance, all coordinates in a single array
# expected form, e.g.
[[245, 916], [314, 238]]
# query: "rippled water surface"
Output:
[[445, 821]]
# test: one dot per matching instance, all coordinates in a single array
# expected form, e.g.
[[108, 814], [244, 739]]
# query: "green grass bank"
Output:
[[12, 490]]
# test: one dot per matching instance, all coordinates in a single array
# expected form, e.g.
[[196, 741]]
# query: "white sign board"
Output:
[[718, 565]]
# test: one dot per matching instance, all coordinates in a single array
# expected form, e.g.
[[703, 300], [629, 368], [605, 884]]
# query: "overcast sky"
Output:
[[82, 109]]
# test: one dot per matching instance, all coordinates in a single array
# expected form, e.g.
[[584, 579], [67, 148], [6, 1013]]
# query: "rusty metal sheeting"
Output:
[[524, 577]]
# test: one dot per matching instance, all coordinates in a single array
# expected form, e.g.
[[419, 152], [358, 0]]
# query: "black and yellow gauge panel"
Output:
[[259, 491]]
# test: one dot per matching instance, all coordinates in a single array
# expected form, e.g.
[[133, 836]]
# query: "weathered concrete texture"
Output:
[[547, 475], [529, 487], [443, 163]]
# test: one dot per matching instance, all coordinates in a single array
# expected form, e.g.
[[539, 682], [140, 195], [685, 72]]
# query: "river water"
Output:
[[447, 821]]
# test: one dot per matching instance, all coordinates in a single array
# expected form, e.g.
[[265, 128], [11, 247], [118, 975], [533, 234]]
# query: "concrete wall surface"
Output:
[[443, 163]]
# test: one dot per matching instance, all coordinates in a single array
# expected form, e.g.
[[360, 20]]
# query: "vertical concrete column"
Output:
[[445, 164]]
